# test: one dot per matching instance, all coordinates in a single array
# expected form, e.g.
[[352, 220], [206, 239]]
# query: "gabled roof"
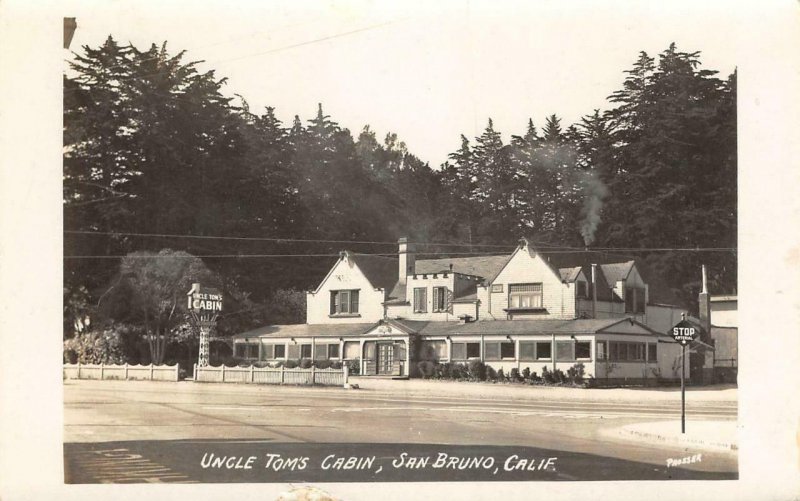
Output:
[[397, 294], [570, 274], [486, 267], [615, 272], [381, 271]]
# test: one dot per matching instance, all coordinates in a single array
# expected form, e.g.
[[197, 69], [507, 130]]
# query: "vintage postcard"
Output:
[[339, 250]]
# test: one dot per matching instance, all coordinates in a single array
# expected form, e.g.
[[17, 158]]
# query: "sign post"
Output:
[[684, 332], [204, 304]]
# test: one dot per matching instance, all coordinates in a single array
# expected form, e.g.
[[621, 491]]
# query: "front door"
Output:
[[385, 358]]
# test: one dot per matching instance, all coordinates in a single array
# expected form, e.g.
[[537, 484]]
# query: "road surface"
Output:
[[121, 431]]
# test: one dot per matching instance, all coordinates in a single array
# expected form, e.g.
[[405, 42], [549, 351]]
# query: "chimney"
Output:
[[704, 301], [407, 261], [594, 290]]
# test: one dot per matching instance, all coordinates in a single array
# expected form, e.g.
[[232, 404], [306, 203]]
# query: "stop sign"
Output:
[[685, 332]]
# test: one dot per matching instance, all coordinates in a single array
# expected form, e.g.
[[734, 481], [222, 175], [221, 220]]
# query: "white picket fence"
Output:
[[103, 371], [267, 375]]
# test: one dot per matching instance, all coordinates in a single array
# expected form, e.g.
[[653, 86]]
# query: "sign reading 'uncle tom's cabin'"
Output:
[[204, 299]]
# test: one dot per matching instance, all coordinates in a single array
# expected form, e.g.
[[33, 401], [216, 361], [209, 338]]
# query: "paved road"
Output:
[[165, 429]]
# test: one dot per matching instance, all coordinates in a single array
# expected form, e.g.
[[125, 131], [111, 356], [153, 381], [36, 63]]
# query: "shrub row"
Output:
[[476, 370]]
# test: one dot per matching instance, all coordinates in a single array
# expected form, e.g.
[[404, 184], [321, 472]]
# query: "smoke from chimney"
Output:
[[594, 192]]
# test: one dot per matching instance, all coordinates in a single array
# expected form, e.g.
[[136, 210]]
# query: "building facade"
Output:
[[527, 309]]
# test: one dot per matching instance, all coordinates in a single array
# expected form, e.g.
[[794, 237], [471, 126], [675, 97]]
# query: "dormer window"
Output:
[[634, 300], [525, 296], [420, 300], [439, 299], [344, 302]]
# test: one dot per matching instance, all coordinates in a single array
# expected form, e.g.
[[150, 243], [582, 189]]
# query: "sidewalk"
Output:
[[705, 394], [704, 435]]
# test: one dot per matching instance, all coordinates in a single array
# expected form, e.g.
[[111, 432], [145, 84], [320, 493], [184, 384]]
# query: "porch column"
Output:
[[361, 358], [449, 343], [408, 356]]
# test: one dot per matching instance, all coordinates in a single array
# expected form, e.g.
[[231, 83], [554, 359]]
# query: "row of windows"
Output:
[[295, 351], [500, 350], [440, 299], [627, 351]]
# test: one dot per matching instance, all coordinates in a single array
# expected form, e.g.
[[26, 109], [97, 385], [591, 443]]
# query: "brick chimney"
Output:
[[407, 259], [704, 312]]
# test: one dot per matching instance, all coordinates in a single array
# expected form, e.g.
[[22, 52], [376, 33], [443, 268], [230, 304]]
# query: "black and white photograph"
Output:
[[339, 250]]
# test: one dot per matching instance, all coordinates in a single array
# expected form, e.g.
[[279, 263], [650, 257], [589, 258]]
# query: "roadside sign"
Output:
[[685, 332]]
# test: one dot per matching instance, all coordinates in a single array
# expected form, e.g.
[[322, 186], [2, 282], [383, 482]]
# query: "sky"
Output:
[[426, 72]]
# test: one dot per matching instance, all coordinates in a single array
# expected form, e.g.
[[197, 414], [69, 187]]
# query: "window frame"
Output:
[[439, 296], [588, 344], [420, 299], [569, 344], [536, 352], [497, 287], [282, 347], [333, 347], [337, 306], [531, 295], [303, 350]]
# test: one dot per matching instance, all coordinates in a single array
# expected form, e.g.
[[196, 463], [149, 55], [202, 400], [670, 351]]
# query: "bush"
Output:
[[95, 347], [306, 363], [322, 364], [576, 373], [514, 375], [354, 366], [547, 376], [477, 370], [426, 368], [559, 376], [526, 373], [535, 378], [491, 374], [336, 364], [500, 375], [290, 364]]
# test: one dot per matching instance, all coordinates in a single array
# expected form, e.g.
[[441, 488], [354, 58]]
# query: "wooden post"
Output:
[[223, 372], [177, 372], [346, 373], [126, 371], [251, 373], [79, 370], [282, 374], [313, 375], [195, 374], [101, 371], [683, 388], [151, 371]]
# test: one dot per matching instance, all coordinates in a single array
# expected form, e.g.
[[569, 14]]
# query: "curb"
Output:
[[677, 440]]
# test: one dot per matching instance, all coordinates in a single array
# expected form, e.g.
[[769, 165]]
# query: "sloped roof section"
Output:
[[307, 330], [381, 271], [486, 267], [570, 274], [615, 272]]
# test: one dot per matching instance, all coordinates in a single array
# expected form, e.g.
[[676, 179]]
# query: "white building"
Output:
[[527, 309]]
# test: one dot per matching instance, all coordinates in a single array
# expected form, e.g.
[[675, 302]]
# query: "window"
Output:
[[420, 300], [583, 349], [280, 351], [439, 299], [247, 350], [564, 350], [527, 350], [433, 350], [267, 351], [601, 350], [499, 350], [333, 351], [582, 290], [634, 300], [344, 302], [626, 351], [652, 352], [497, 287], [321, 352], [543, 350], [458, 351], [464, 351], [522, 296], [305, 351], [294, 351], [351, 350]]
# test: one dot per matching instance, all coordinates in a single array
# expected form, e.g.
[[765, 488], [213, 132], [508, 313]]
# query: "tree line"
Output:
[[153, 146]]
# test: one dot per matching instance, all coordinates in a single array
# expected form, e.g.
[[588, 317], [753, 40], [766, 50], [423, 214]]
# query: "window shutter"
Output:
[[354, 301], [435, 299]]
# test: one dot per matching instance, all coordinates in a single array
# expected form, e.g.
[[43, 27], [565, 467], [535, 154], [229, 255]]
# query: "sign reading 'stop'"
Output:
[[685, 332], [204, 299]]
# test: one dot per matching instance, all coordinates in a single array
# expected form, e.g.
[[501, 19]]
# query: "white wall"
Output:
[[724, 314], [345, 276], [428, 284], [662, 318]]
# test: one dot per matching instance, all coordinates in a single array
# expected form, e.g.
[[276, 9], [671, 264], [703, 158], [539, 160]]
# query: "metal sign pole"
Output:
[[683, 388]]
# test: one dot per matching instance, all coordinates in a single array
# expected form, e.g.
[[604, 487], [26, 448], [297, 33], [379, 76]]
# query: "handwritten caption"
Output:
[[375, 464]]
